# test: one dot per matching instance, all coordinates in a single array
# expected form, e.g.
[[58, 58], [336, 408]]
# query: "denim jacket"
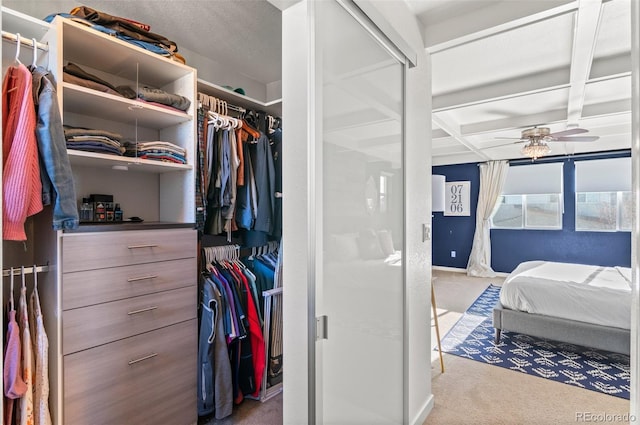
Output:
[[55, 168]]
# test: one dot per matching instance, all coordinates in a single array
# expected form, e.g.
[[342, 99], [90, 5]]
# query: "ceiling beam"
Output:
[[547, 117], [606, 68], [587, 23], [504, 89], [438, 133], [528, 20], [457, 135]]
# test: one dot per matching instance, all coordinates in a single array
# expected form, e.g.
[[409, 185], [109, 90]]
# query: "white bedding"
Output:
[[592, 294]]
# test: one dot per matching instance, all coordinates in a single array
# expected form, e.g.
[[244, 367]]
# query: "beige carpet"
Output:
[[473, 392], [252, 412]]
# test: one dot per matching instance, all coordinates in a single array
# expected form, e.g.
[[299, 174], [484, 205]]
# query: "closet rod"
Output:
[[27, 270], [24, 41]]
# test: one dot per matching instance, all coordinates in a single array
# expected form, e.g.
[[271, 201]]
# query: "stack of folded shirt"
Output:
[[74, 74], [90, 140], [157, 96], [158, 151], [124, 29]]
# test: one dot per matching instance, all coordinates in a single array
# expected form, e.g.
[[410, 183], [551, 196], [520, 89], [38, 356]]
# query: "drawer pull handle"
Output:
[[149, 245], [142, 310], [131, 362], [135, 279]]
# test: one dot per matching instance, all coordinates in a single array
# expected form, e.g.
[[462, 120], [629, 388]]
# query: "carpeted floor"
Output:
[[472, 337], [474, 392], [251, 412]]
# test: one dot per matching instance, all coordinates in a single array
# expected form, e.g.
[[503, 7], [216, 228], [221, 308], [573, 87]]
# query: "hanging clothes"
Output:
[[41, 411], [215, 390], [21, 185], [200, 174], [14, 385], [233, 303], [237, 181], [275, 139], [55, 168], [25, 413]]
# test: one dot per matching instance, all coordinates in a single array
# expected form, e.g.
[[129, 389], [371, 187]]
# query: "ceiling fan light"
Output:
[[535, 150]]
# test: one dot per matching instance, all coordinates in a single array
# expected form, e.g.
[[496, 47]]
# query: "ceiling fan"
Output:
[[536, 140]]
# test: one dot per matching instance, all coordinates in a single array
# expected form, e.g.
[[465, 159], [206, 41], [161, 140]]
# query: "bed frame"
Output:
[[616, 340]]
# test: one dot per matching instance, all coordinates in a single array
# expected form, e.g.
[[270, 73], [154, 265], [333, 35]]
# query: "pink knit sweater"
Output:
[[21, 185]]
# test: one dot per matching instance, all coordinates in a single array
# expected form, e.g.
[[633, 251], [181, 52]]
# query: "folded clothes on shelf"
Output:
[[92, 140], [123, 29], [74, 74], [157, 150], [151, 94]]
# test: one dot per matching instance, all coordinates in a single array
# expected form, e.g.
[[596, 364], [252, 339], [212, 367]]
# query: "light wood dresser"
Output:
[[129, 327]]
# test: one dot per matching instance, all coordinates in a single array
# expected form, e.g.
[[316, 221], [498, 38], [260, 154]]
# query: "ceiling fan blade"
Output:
[[575, 139], [509, 138], [568, 132]]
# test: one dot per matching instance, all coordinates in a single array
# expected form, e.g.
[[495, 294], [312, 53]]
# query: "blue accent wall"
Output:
[[511, 247], [455, 233]]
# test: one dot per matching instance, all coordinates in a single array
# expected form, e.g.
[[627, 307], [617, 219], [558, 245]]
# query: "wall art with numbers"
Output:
[[457, 198]]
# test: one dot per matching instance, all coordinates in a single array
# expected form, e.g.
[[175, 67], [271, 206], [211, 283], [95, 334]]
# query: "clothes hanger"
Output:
[[13, 306], [23, 276], [35, 54], [17, 58], [35, 278], [250, 130]]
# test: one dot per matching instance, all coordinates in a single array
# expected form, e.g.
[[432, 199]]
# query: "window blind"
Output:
[[604, 175], [534, 179]]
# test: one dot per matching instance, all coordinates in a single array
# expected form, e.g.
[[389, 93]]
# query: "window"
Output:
[[531, 198], [603, 195]]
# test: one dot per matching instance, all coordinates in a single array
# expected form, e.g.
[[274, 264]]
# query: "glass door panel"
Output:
[[361, 281]]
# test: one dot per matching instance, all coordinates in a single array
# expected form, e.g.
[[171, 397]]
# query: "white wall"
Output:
[[295, 215]]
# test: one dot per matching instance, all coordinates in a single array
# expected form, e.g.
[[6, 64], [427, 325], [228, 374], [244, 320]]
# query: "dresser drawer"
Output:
[[146, 379], [88, 251], [80, 289], [88, 327]]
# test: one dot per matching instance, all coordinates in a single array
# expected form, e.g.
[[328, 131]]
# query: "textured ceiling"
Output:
[[242, 35]]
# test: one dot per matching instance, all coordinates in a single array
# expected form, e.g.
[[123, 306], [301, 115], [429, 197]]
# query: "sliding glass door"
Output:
[[360, 190]]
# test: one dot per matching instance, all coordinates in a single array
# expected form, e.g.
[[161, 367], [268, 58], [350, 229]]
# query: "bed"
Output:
[[575, 303]]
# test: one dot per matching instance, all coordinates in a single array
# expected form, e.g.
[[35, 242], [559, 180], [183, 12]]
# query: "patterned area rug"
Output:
[[472, 337]]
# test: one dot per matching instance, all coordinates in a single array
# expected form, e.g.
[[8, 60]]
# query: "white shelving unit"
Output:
[[273, 107], [158, 191], [169, 197]]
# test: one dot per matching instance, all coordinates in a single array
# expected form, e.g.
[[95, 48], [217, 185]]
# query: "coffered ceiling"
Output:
[[503, 66]]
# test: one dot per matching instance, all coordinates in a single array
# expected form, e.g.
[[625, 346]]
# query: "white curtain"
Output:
[[492, 178]]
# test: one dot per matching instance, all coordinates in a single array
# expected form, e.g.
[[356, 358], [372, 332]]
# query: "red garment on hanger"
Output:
[[255, 333]]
